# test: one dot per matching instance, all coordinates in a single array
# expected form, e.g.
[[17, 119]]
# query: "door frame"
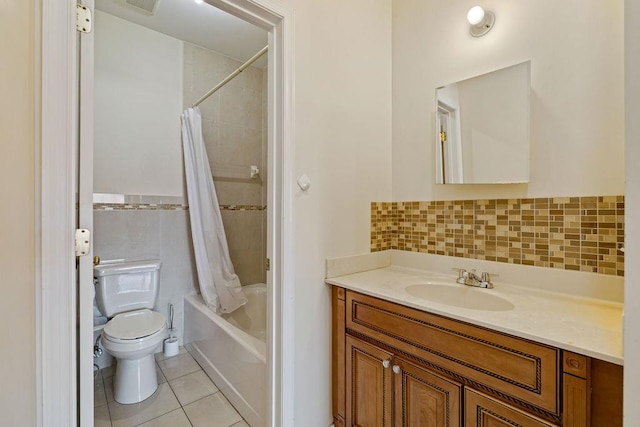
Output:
[[56, 344]]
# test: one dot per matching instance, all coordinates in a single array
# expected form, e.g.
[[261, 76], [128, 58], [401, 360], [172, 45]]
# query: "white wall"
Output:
[[632, 214], [17, 218], [577, 88], [343, 143], [138, 92]]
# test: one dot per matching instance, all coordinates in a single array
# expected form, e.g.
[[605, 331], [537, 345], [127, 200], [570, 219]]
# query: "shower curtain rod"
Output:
[[230, 77]]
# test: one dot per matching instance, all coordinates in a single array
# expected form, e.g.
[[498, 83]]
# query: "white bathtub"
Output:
[[232, 350]]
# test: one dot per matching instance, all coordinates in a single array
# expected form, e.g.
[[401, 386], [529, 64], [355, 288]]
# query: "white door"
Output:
[[85, 221]]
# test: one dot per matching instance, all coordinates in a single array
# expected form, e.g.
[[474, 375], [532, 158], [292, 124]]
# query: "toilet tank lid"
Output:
[[109, 269]]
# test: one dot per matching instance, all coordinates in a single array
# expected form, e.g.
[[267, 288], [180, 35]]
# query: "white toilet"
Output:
[[125, 293]]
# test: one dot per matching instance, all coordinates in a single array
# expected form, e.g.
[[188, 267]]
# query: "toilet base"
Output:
[[135, 380]]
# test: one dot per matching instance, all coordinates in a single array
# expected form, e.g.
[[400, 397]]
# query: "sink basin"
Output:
[[460, 296]]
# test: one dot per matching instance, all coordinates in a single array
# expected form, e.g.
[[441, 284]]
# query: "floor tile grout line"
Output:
[[218, 391], [172, 379], [106, 399], [108, 413], [109, 409], [200, 369], [198, 400], [186, 416], [182, 407], [189, 419], [225, 397], [159, 416], [179, 356], [176, 396]]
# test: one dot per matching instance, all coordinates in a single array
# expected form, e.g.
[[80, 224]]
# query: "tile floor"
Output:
[[185, 397]]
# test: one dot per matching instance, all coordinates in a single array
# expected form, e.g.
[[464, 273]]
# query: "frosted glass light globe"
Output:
[[199, 1], [475, 15]]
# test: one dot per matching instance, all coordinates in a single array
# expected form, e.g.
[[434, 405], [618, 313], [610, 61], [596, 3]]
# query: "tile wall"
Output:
[[140, 232], [232, 124], [155, 226], [571, 233]]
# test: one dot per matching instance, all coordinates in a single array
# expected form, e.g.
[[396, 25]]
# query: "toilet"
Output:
[[125, 294]]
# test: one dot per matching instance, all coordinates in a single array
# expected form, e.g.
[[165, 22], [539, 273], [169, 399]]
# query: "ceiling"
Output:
[[200, 24]]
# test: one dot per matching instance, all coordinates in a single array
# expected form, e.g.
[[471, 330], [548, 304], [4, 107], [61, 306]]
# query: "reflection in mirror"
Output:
[[482, 128]]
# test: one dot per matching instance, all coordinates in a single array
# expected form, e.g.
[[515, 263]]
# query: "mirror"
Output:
[[482, 128]]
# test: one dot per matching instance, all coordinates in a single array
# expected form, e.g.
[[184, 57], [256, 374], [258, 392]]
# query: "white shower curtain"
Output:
[[219, 285]]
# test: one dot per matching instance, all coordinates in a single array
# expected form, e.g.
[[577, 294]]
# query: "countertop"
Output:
[[587, 326]]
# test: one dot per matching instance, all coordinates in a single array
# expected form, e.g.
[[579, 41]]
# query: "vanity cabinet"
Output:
[[422, 398], [385, 390], [483, 411], [398, 366], [369, 383]]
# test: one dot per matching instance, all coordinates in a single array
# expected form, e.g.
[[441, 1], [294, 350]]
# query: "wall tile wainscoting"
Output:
[[571, 233]]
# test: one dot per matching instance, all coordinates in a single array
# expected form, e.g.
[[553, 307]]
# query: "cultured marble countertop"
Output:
[[586, 326]]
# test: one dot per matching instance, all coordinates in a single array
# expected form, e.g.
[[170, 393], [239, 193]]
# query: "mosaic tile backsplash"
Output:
[[570, 233]]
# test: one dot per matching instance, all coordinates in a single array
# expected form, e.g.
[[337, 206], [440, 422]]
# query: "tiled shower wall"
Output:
[[571, 233], [232, 125]]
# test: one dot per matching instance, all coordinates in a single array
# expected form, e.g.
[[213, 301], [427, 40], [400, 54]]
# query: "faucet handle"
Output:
[[461, 272], [485, 280], [486, 277]]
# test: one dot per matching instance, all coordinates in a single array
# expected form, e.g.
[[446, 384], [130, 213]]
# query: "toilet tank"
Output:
[[126, 286]]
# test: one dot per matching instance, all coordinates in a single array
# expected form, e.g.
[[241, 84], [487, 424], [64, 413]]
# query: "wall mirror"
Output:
[[482, 128]]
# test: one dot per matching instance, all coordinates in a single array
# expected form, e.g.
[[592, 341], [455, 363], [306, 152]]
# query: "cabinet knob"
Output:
[[386, 363], [396, 369]]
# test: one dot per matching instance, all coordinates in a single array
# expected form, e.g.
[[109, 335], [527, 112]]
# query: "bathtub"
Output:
[[231, 349]]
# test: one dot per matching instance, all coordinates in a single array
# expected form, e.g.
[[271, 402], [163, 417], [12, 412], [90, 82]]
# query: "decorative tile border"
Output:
[[139, 207], [166, 207], [571, 233], [242, 208]]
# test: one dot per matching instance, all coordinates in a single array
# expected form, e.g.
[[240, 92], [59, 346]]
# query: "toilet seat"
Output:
[[134, 326]]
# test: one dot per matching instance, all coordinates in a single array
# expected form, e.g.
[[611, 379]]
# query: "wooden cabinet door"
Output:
[[424, 399], [369, 390], [484, 411]]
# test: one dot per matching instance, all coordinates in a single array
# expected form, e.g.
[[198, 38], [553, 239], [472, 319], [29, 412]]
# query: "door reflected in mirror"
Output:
[[482, 128]]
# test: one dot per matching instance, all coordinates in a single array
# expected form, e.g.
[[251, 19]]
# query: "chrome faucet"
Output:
[[470, 278]]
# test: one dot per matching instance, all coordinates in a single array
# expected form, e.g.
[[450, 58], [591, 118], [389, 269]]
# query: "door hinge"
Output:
[[267, 264], [83, 242], [83, 18], [443, 136]]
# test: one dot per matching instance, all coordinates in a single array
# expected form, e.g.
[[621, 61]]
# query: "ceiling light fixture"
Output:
[[199, 1], [480, 21]]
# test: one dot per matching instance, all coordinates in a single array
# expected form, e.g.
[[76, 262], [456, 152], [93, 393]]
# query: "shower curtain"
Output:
[[219, 285]]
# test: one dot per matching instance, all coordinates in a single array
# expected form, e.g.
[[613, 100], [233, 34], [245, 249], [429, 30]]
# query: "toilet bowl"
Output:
[[125, 294], [132, 338]]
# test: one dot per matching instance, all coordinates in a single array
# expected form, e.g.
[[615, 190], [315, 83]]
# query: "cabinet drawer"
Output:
[[483, 411], [508, 366]]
